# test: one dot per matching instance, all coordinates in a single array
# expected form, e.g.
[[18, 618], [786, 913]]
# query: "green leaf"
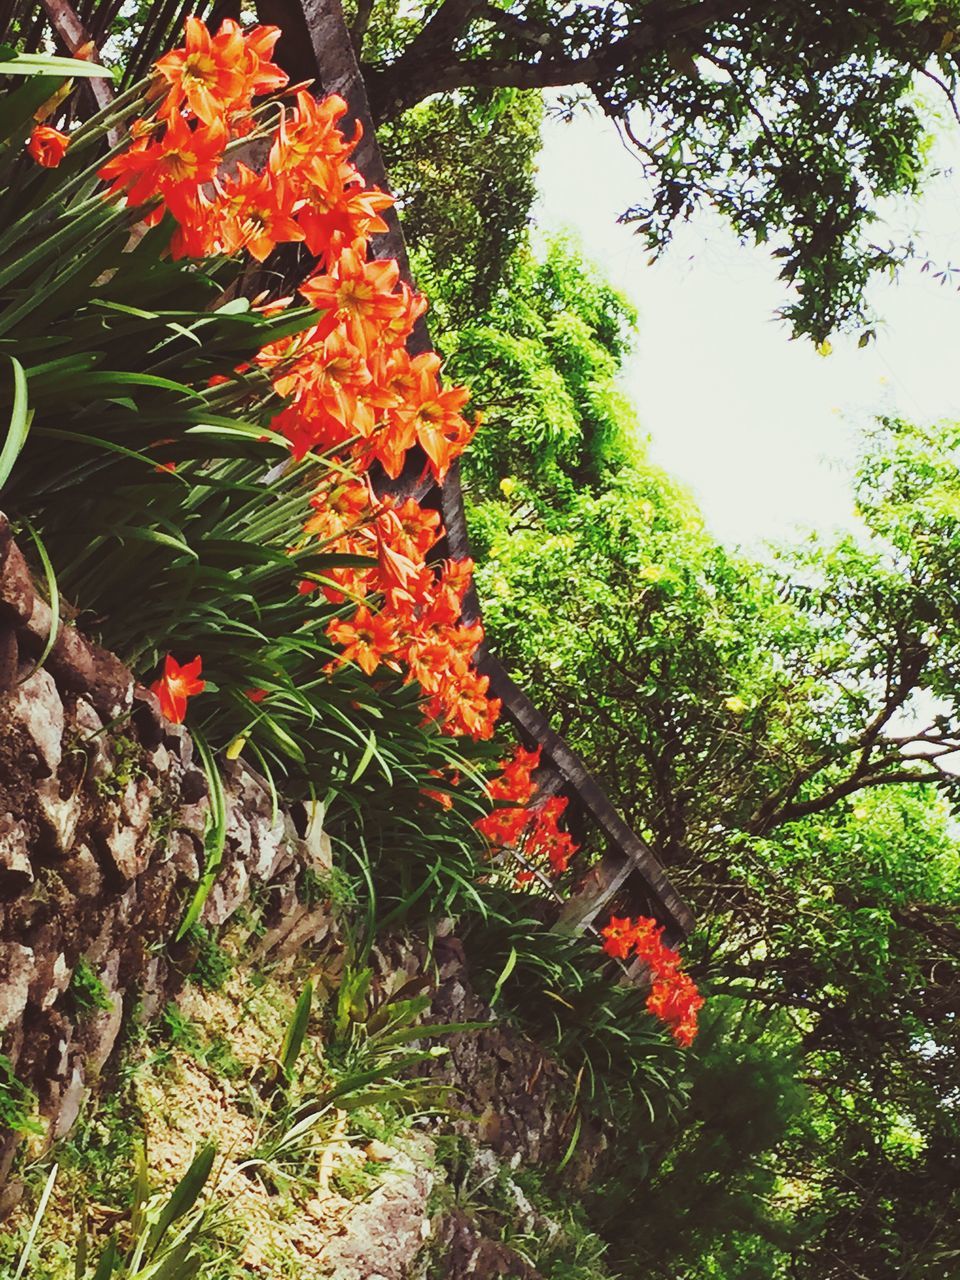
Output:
[[53, 591], [80, 1261], [296, 1031], [572, 1144], [505, 973], [184, 1196], [214, 838], [42, 64], [35, 1224], [179, 1263], [19, 424], [108, 1260], [365, 758], [17, 108]]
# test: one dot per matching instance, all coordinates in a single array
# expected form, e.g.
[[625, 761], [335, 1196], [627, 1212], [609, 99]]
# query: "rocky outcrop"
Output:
[[103, 818], [103, 813]]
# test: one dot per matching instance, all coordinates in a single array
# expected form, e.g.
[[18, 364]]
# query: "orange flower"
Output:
[[618, 937], [175, 166], [338, 511], [676, 1001], [417, 529], [176, 685], [332, 380], [464, 705], [435, 415], [342, 215], [261, 75], [47, 145], [504, 827], [254, 214], [207, 73], [516, 780], [197, 235], [308, 147], [546, 840], [366, 638], [673, 997], [360, 294]]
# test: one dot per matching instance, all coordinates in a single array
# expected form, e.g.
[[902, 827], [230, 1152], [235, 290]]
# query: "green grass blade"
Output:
[[19, 423], [53, 591], [35, 1224], [108, 1261], [184, 1196], [296, 1031], [42, 64], [505, 973], [572, 1145], [365, 758], [214, 837]]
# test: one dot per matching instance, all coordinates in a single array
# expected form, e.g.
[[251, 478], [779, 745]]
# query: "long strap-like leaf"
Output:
[[19, 423]]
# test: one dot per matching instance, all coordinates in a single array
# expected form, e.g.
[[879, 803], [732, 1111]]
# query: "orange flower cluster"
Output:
[[350, 381], [514, 824], [350, 387], [673, 996], [349, 384], [417, 629], [348, 378], [175, 158]]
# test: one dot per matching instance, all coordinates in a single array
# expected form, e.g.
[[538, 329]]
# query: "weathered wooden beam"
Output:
[[628, 870]]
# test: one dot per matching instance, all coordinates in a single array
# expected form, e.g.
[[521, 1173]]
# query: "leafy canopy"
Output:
[[782, 734], [794, 120]]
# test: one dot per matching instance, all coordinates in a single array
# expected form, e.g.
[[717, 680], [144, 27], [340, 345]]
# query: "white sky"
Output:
[[760, 428]]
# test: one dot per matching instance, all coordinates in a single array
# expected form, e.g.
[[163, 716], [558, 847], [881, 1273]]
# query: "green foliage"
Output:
[[781, 735], [543, 1224], [126, 767], [17, 1103], [796, 123], [542, 365], [462, 168], [564, 992], [180, 1030], [295, 1033], [711, 1202], [372, 1064], [333, 885], [213, 965], [115, 346], [88, 992]]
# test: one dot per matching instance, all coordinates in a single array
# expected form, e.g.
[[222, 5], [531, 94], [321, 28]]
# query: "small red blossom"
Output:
[[47, 146], [176, 685]]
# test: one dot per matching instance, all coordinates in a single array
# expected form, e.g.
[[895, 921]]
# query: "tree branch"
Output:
[[803, 808], [358, 28], [428, 66]]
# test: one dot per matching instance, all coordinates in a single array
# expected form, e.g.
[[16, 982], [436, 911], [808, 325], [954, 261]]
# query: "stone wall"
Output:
[[102, 819], [103, 809]]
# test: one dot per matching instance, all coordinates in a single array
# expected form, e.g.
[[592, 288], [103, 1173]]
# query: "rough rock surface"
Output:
[[102, 817], [385, 1234]]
